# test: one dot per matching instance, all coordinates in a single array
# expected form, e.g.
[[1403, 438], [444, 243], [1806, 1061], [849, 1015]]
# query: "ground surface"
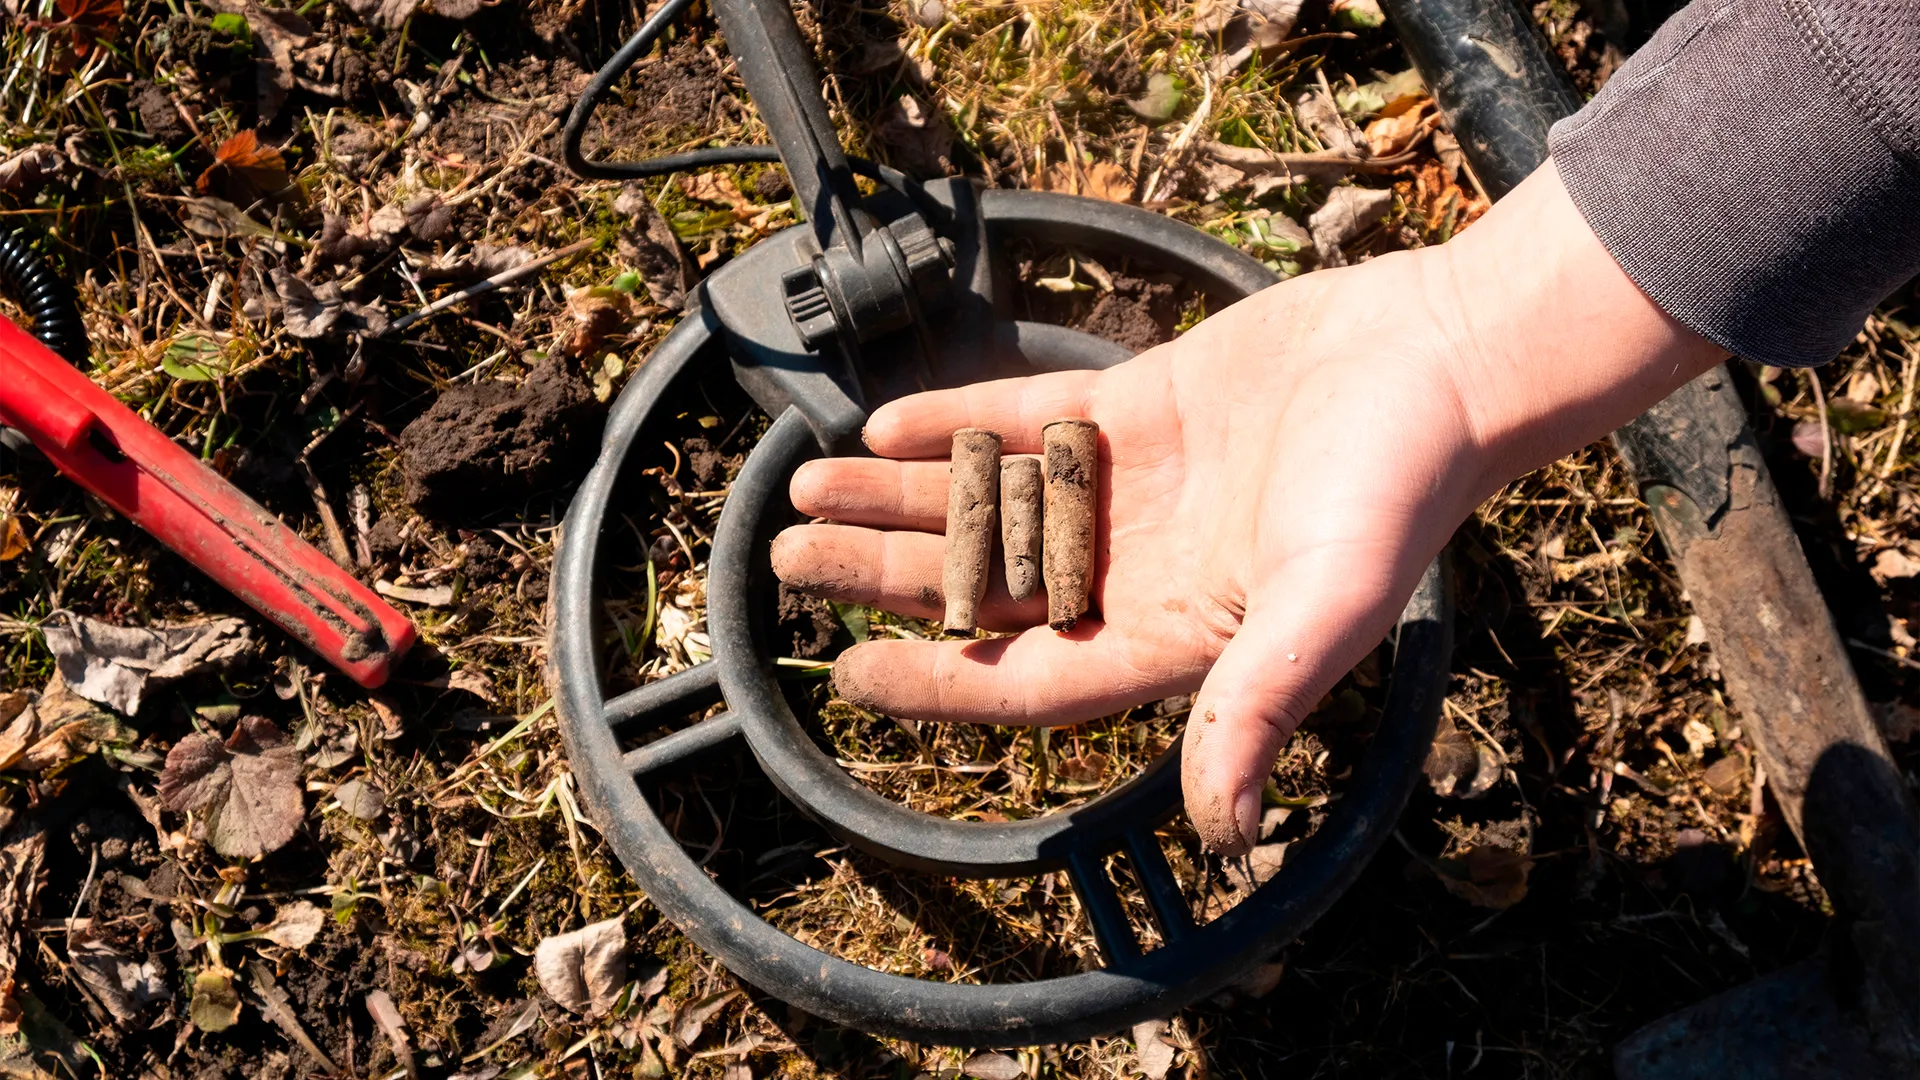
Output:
[[246, 194]]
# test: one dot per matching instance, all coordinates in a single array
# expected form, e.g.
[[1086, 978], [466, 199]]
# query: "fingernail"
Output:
[[1246, 815]]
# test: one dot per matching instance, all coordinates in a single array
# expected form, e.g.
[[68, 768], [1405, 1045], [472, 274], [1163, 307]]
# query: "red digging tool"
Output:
[[107, 449]]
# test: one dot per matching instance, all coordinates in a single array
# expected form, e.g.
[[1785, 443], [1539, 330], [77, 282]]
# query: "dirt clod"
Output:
[[487, 446]]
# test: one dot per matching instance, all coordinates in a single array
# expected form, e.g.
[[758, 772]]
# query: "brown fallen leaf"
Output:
[[648, 243], [277, 32], [1460, 766], [1348, 212], [29, 167], [598, 312], [1155, 1049], [715, 187], [114, 665], [82, 25], [361, 799], [248, 787], [319, 311], [584, 969], [385, 14], [692, 1018], [122, 984], [1108, 180], [244, 170], [13, 539], [294, 926], [1399, 132], [1487, 876]]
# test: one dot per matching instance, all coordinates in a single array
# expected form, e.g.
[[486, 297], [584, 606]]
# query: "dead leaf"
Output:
[[219, 219], [1487, 876], [1109, 181], [992, 1065], [458, 10], [692, 1019], [294, 926], [715, 187], [248, 787], [918, 136], [114, 665], [311, 311], [244, 170], [1863, 388], [216, 1005], [430, 595], [1348, 212], [82, 24], [121, 984], [69, 727], [649, 245], [13, 539], [474, 681], [1460, 766], [1155, 1050], [428, 218], [1810, 438], [1322, 117], [598, 312], [361, 799], [1725, 776], [1396, 134], [385, 14], [584, 969], [28, 168], [22, 727]]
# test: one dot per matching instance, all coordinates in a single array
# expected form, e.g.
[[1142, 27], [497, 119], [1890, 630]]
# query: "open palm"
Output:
[[1272, 486], [1268, 499]]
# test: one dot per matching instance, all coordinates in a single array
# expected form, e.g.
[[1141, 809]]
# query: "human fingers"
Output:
[[1302, 633], [877, 492], [894, 571], [922, 425], [1039, 677]]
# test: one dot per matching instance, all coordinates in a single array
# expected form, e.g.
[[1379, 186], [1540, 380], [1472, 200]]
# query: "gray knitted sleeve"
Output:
[[1755, 168]]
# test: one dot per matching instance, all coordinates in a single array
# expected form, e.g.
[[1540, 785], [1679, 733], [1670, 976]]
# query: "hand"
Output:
[[1272, 485]]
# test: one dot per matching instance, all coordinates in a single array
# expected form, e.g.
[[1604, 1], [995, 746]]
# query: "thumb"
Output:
[[1290, 650]]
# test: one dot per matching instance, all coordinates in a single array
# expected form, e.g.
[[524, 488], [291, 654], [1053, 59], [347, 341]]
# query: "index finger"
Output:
[[922, 425]]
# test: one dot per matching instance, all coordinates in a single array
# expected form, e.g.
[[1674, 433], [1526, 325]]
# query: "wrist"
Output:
[[1556, 346]]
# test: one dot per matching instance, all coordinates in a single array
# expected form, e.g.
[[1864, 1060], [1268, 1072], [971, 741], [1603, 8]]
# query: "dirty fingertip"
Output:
[[858, 676]]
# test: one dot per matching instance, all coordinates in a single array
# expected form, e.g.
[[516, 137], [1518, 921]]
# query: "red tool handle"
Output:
[[106, 448]]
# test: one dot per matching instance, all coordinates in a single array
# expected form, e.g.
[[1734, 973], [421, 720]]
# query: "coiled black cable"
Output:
[[630, 53], [50, 302]]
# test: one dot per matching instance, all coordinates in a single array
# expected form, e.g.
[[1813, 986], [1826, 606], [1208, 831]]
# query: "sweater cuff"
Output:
[[1744, 192]]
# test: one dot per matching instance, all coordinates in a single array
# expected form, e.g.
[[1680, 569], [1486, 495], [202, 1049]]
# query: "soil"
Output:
[[809, 626], [1139, 312], [485, 447]]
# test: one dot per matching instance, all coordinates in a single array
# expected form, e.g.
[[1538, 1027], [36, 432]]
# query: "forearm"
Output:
[[1558, 346]]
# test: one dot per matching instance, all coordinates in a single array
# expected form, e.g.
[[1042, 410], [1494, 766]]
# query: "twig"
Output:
[[479, 288], [272, 1002], [336, 537], [1906, 406], [1826, 434]]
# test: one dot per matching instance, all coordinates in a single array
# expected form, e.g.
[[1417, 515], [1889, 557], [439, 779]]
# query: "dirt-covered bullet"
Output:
[[973, 497], [1071, 449], [1020, 518]]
